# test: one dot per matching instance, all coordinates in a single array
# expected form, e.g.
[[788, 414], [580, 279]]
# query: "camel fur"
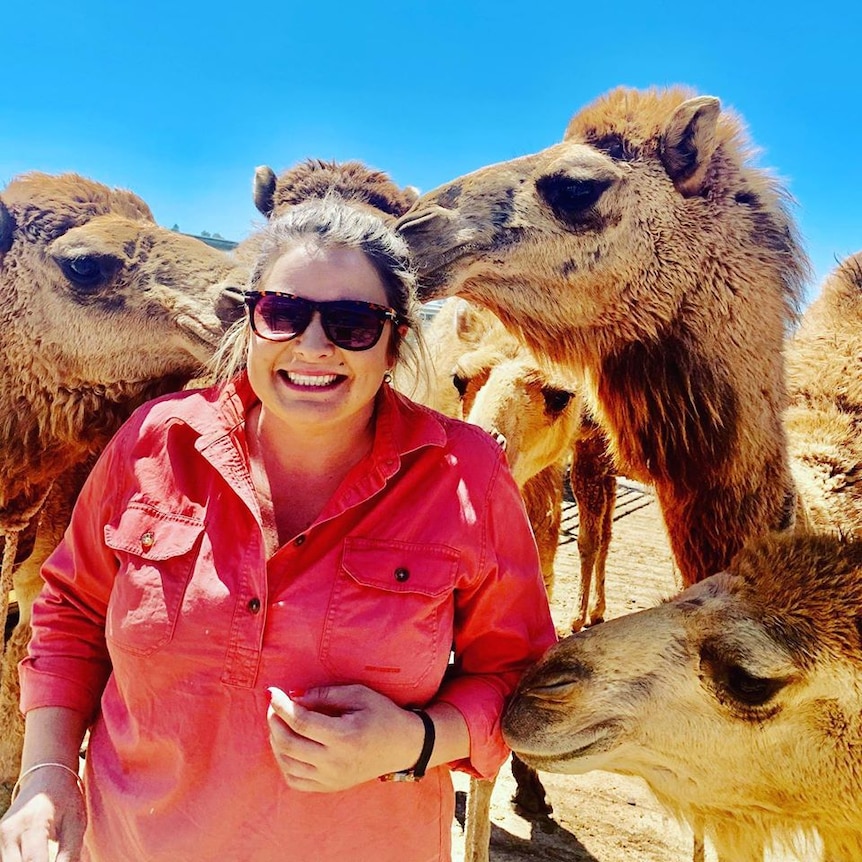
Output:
[[824, 417], [649, 253], [100, 309], [767, 658], [763, 661]]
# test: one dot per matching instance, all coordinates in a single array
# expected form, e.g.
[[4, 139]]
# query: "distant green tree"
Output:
[[205, 233], [176, 227]]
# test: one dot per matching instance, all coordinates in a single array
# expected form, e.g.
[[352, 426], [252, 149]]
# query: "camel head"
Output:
[[739, 701], [314, 178], [615, 234], [99, 308]]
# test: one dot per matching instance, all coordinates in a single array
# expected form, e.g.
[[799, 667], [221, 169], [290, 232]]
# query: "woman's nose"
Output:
[[314, 340]]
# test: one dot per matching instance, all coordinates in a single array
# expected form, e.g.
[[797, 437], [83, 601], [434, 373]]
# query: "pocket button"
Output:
[[401, 575]]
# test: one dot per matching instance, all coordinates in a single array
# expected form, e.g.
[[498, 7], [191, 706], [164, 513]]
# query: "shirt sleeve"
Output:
[[502, 625], [67, 662]]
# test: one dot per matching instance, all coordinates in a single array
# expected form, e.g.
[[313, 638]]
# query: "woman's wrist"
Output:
[[417, 771], [48, 764]]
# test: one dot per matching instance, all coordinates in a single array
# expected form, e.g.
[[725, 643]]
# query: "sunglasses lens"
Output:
[[352, 326], [281, 318]]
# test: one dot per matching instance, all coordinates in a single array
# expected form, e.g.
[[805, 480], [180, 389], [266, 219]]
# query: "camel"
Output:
[[101, 309], [824, 417], [739, 701], [480, 372], [647, 252], [353, 181]]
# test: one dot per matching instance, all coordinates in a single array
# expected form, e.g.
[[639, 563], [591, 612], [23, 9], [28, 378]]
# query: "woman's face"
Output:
[[308, 381]]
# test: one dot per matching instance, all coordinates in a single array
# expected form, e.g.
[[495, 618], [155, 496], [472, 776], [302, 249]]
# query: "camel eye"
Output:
[[571, 199], [88, 271], [460, 383], [750, 690], [735, 684], [556, 400]]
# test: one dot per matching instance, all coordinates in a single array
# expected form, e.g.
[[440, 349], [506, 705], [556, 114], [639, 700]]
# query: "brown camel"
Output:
[[824, 419], [100, 309], [646, 251], [314, 178], [739, 702]]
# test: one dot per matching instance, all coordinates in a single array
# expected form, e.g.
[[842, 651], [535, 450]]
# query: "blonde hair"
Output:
[[330, 222]]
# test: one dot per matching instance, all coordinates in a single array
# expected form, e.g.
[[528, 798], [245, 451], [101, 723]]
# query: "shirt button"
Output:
[[299, 540], [401, 575], [148, 540], [254, 606]]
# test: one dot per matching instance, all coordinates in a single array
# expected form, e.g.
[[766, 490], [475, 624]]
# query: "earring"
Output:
[[387, 376]]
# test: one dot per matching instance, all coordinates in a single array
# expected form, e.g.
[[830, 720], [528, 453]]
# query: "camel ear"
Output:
[[7, 228], [465, 321], [264, 189], [689, 142], [412, 194]]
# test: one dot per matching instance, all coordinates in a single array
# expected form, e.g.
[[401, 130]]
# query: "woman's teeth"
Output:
[[312, 379]]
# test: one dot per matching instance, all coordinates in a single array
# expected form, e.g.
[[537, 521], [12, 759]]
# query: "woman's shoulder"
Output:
[[455, 434], [198, 408]]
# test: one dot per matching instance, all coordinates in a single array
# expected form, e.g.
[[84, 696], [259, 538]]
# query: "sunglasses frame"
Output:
[[382, 314]]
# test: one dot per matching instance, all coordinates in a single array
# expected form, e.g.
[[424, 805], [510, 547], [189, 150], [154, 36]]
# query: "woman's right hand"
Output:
[[49, 807]]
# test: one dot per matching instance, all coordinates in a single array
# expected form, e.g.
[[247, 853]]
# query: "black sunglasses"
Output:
[[350, 324]]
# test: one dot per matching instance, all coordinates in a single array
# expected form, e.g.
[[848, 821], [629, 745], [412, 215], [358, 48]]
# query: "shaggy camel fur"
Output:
[[824, 419], [647, 252], [314, 178], [100, 309], [739, 702]]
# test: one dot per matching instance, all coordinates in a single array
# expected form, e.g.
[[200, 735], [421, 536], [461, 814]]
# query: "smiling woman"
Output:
[[270, 591]]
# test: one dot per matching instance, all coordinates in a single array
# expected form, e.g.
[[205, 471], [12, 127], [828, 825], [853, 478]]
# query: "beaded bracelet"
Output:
[[17, 788]]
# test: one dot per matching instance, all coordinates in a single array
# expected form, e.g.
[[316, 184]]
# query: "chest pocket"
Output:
[[156, 553], [389, 622]]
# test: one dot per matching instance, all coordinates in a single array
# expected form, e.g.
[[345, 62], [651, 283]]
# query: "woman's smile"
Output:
[[305, 380]]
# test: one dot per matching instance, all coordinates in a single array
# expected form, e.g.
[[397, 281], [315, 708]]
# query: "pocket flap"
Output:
[[146, 532], [401, 567]]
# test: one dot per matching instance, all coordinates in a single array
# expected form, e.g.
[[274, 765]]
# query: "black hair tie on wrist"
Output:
[[417, 771]]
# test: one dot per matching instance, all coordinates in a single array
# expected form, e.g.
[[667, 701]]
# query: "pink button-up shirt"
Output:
[[163, 620]]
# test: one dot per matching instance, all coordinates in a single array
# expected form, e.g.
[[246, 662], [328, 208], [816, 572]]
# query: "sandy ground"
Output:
[[598, 817]]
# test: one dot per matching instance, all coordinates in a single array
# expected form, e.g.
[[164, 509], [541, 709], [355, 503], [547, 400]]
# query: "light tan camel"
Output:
[[480, 372], [100, 309], [739, 702], [647, 252], [824, 419]]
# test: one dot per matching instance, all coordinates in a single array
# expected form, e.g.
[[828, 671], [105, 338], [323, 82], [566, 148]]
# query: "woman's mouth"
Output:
[[312, 381]]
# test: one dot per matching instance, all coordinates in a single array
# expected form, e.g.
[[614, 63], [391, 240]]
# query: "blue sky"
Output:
[[179, 101]]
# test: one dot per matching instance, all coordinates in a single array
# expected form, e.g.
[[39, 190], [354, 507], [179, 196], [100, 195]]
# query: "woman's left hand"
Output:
[[334, 737]]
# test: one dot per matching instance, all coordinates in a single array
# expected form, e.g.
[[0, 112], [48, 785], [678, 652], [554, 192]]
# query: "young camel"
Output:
[[482, 373], [739, 702], [645, 251], [100, 309]]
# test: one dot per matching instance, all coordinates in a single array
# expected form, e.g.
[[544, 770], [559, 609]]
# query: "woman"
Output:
[[256, 602]]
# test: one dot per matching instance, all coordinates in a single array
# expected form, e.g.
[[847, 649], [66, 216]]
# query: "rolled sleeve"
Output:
[[67, 662], [503, 625]]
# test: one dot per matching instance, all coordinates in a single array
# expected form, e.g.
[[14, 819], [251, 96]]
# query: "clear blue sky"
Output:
[[179, 101]]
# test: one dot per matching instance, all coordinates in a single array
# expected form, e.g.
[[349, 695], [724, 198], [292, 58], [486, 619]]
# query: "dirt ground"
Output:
[[598, 817]]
